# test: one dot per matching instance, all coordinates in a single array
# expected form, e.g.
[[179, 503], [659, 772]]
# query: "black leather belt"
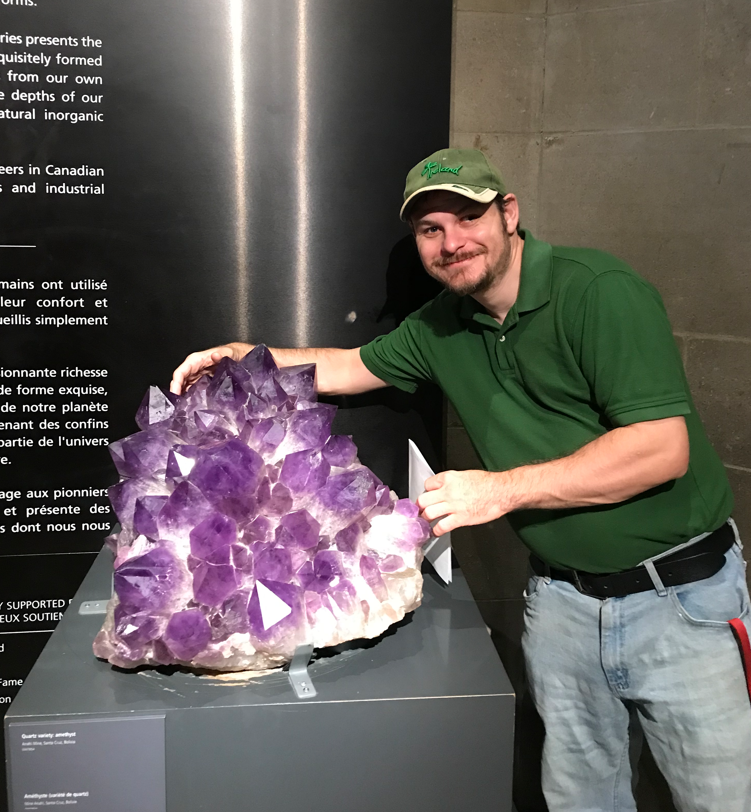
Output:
[[701, 560]]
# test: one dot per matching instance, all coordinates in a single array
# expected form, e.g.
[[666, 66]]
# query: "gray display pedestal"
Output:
[[420, 719]]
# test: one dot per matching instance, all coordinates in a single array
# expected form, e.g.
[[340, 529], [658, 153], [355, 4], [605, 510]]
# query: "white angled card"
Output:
[[273, 608], [437, 550]]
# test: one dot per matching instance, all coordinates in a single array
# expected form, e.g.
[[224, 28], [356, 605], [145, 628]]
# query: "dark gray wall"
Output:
[[254, 155], [623, 125]]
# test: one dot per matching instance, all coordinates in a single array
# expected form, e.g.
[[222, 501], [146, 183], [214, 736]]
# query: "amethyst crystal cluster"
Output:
[[248, 528]]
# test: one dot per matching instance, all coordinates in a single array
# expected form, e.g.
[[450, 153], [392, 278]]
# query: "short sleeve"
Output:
[[397, 357], [625, 348]]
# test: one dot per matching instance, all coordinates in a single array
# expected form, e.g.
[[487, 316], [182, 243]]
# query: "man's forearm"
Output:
[[338, 372], [622, 463]]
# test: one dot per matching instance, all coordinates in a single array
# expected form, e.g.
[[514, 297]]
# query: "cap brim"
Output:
[[480, 195]]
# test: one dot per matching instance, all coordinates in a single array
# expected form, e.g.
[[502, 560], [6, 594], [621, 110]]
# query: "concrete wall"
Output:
[[623, 125]]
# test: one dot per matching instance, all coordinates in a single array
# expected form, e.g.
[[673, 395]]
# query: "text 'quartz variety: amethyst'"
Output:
[[249, 529]]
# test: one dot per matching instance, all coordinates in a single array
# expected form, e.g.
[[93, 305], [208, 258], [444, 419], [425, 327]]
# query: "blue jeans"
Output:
[[667, 660]]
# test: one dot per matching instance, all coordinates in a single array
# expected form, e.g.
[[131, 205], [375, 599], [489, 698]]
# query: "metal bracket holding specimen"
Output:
[[97, 607], [93, 608], [301, 682]]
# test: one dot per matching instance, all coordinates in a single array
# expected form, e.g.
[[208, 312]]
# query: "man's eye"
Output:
[[430, 230]]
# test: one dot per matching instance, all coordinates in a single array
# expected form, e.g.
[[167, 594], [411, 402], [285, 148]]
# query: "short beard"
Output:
[[490, 276]]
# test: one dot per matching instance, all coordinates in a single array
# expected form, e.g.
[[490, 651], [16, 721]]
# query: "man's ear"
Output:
[[511, 213]]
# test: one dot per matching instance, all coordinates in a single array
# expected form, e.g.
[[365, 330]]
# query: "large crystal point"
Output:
[[248, 528], [156, 407]]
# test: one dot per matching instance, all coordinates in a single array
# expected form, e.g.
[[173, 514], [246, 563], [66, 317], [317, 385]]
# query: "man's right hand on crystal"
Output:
[[198, 364]]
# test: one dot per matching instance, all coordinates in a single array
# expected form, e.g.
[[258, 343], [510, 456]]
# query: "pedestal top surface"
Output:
[[441, 650]]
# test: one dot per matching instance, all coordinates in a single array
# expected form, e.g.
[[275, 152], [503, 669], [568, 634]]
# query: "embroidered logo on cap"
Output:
[[433, 168]]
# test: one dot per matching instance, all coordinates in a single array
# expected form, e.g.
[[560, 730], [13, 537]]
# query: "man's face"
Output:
[[463, 244]]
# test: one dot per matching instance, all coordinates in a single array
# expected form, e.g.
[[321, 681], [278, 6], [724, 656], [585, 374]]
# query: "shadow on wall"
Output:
[[408, 287]]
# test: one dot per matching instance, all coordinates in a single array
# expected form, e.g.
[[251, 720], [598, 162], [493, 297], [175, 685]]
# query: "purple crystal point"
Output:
[[344, 595], [349, 493], [274, 500], [148, 583], [414, 532], [180, 462], [232, 616], [272, 394], [267, 435], [340, 451], [372, 576], [259, 362], [187, 634], [227, 475], [215, 533], [123, 497], [304, 471], [306, 577], [156, 407], [309, 428], [258, 530], [138, 628], [242, 558], [383, 498], [185, 508], [210, 420], [195, 398], [147, 508], [406, 507], [391, 563], [240, 376], [143, 454], [347, 539], [298, 529], [225, 391], [214, 583], [298, 381], [327, 566], [273, 564]]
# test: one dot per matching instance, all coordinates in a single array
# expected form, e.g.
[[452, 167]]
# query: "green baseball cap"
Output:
[[464, 171]]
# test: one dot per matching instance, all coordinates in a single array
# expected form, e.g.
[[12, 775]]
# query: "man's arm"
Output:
[[622, 463], [338, 372]]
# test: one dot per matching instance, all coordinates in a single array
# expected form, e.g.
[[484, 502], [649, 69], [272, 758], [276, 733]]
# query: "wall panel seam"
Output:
[[647, 3], [619, 131], [712, 337]]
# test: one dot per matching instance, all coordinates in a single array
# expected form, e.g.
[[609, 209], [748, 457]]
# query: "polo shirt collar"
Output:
[[534, 284]]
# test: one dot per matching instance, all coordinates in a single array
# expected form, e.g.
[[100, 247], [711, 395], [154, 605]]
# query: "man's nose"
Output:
[[453, 240]]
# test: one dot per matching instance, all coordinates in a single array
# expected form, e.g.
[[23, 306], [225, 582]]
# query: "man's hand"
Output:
[[198, 364], [462, 498]]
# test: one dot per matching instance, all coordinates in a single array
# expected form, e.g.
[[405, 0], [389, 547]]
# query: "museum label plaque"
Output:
[[91, 765]]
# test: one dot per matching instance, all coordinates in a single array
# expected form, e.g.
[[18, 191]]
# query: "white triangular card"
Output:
[[185, 464], [437, 550], [273, 608]]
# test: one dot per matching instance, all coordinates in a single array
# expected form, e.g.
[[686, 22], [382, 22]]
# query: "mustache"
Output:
[[462, 255]]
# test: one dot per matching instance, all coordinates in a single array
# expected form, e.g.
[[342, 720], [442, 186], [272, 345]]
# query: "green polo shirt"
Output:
[[587, 347]]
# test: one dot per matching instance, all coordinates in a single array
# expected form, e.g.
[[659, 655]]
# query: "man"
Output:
[[562, 365]]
